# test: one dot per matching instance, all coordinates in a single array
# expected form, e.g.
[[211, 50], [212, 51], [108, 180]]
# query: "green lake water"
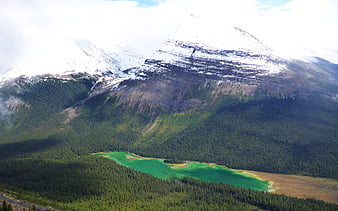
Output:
[[196, 170]]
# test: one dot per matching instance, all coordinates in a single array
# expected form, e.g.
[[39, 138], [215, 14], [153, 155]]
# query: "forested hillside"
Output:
[[274, 135], [47, 160]]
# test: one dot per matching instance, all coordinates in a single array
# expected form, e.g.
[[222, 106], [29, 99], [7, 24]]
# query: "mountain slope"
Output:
[[232, 101], [52, 157]]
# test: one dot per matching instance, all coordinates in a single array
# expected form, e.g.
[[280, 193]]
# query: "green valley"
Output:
[[47, 160]]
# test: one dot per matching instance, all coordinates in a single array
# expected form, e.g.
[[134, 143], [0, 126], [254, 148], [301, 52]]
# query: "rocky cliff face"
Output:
[[183, 74]]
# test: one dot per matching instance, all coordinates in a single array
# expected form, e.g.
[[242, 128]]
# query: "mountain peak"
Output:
[[204, 31], [222, 50]]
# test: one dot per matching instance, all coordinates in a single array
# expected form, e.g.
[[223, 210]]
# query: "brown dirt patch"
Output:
[[71, 114], [302, 186]]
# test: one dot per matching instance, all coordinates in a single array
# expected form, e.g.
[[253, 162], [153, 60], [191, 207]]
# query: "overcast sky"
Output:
[[289, 26]]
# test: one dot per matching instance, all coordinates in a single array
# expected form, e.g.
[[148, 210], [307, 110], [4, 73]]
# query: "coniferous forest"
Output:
[[45, 155], [5, 207]]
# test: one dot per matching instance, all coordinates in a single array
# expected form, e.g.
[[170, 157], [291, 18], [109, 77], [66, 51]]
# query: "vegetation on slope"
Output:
[[48, 162], [274, 135]]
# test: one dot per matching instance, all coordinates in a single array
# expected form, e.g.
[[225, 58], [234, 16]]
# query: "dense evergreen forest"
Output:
[[272, 135], [5, 207], [47, 160]]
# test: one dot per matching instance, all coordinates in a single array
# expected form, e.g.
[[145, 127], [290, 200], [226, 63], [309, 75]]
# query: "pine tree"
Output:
[[4, 206], [33, 208], [9, 207]]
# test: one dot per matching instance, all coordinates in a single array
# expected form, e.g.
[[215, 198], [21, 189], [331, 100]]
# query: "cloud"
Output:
[[3, 108], [33, 26], [301, 27], [9, 102], [7, 105], [30, 28]]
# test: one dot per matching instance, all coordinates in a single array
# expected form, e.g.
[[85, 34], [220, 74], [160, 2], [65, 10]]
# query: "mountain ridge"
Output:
[[194, 37]]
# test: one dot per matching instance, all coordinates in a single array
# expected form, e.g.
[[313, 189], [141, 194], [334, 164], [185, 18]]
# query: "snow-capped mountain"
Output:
[[74, 56], [221, 36], [219, 52]]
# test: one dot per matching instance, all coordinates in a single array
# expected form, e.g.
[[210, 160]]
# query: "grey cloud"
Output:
[[3, 108]]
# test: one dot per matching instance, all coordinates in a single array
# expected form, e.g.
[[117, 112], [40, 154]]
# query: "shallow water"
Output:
[[201, 171]]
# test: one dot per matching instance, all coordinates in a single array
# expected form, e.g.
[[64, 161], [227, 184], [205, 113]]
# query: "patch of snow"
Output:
[[198, 39], [68, 56], [220, 36]]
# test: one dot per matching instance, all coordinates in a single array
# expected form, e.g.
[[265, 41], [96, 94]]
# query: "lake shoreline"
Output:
[[208, 172]]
